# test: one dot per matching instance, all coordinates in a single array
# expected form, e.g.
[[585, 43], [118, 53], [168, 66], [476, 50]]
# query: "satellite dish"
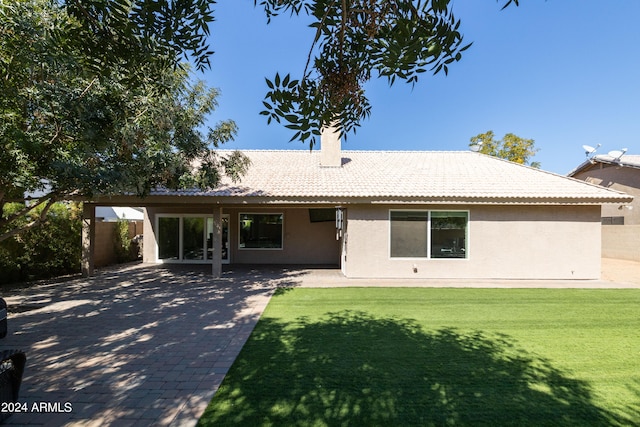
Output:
[[589, 149], [475, 147], [616, 154]]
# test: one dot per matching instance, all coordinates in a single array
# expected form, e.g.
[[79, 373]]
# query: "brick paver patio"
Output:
[[137, 345]]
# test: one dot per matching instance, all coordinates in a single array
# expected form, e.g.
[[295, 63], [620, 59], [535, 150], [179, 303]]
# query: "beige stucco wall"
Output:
[[304, 242], [621, 242], [149, 236], [623, 179], [618, 241], [514, 242]]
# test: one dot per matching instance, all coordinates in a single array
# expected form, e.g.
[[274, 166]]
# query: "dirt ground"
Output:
[[620, 271]]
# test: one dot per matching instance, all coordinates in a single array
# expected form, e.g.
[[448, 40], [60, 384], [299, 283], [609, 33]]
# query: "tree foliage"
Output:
[[132, 33], [67, 129], [42, 252], [354, 41], [511, 147]]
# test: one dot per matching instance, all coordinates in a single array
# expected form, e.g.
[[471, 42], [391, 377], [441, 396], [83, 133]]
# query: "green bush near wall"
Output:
[[122, 242], [50, 249]]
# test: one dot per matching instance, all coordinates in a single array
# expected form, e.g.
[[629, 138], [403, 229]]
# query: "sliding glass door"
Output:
[[193, 238], [168, 238], [188, 238]]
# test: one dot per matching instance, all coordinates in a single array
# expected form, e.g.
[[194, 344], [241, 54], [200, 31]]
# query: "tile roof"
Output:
[[460, 176], [625, 160], [631, 160]]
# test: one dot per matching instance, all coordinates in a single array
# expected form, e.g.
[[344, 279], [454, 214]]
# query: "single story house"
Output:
[[380, 214], [620, 221]]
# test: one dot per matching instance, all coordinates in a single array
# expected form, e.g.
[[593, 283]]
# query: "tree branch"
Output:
[[51, 141], [343, 29], [49, 200], [87, 88], [6, 77], [21, 212], [317, 37]]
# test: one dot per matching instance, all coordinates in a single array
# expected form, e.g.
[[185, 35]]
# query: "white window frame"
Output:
[[429, 254], [261, 249]]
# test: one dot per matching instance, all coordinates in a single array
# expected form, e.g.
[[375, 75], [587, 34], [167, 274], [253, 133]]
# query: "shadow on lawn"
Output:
[[634, 412], [353, 369]]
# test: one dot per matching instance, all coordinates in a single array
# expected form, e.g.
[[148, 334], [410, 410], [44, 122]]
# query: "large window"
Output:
[[428, 234], [260, 231]]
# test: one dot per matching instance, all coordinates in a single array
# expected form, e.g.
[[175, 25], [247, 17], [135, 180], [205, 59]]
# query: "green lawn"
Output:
[[416, 356]]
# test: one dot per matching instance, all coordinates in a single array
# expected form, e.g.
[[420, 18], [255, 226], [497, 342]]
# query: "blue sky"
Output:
[[563, 72]]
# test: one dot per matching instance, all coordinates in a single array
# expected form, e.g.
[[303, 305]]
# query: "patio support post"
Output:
[[216, 241], [88, 238]]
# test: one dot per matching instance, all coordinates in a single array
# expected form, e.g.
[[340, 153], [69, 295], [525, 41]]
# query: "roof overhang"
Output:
[[164, 200]]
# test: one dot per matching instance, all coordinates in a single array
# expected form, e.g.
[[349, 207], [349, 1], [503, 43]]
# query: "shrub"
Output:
[[122, 242], [50, 249]]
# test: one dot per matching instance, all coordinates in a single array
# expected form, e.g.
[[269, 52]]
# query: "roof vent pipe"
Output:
[[330, 147]]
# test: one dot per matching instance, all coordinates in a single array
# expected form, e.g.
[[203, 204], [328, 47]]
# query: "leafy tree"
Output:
[[67, 130], [355, 40], [511, 147]]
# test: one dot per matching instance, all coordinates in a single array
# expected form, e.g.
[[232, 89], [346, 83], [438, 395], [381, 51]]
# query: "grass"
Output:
[[416, 356]]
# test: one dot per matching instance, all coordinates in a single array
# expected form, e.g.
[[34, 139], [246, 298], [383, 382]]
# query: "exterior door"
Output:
[[188, 238]]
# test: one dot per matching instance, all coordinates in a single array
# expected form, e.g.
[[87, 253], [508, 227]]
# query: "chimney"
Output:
[[330, 147]]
